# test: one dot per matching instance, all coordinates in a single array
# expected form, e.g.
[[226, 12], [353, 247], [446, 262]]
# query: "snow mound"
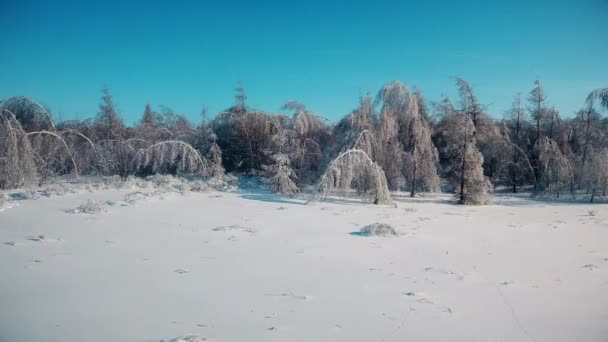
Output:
[[377, 229]]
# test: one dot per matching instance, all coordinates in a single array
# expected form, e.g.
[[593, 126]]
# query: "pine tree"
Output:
[[108, 118], [148, 118], [537, 107]]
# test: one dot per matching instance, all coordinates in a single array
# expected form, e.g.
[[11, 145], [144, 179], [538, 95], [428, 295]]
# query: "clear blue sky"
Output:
[[184, 54]]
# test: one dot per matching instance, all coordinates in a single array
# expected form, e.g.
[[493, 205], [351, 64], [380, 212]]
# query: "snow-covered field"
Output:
[[250, 266]]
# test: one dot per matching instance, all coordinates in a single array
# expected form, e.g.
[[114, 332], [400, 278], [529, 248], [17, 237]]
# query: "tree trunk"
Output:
[[463, 168], [413, 193], [588, 121]]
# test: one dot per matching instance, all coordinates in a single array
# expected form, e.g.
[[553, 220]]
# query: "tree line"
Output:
[[394, 141]]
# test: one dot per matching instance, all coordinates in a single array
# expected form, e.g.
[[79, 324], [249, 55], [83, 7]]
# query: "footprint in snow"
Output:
[[38, 238], [290, 294], [187, 338]]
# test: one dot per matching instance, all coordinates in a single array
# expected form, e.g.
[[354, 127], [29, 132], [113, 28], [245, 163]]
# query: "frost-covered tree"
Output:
[[215, 156], [109, 123], [469, 101], [356, 130], [586, 125], [555, 172], [150, 128], [52, 155], [597, 175], [170, 157], [16, 154], [390, 152], [82, 148], [309, 134], [421, 155], [423, 109], [461, 158], [31, 115], [486, 133], [355, 166], [537, 106], [280, 175], [148, 118], [516, 165], [601, 95]]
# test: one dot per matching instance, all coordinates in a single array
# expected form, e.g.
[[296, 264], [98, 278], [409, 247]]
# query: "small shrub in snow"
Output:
[[280, 175], [88, 207], [378, 229], [133, 197]]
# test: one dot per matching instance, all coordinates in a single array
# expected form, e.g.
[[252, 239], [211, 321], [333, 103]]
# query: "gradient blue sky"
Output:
[[184, 54]]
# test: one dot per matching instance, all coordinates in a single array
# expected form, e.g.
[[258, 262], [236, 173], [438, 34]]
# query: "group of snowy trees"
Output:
[[395, 141]]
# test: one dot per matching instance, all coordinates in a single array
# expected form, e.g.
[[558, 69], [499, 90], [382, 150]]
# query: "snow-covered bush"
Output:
[[215, 154], [281, 176], [378, 229], [90, 206]]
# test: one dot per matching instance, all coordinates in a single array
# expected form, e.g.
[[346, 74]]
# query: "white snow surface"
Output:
[[251, 266]]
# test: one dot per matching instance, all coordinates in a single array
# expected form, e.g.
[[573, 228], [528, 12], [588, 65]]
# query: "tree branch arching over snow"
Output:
[[348, 166]]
